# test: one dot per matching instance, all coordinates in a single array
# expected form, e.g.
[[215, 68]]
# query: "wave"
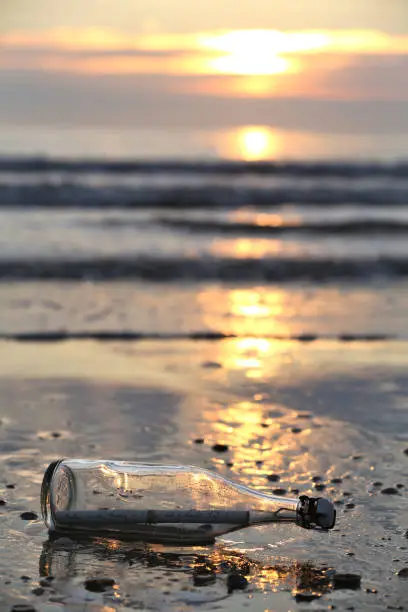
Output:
[[77, 195], [364, 227], [40, 165], [154, 269], [130, 336]]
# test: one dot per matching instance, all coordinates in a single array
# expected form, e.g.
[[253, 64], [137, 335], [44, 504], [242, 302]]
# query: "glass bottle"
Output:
[[163, 503]]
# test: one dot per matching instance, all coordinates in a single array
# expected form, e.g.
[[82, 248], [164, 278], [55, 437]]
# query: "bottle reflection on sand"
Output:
[[63, 558]]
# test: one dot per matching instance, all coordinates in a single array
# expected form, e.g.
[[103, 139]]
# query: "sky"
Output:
[[317, 68]]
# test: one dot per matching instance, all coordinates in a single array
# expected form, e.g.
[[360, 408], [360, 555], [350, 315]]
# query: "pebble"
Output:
[[399, 486], [403, 573], [211, 364], [296, 430], [317, 479], [23, 608], [273, 477], [319, 486], [204, 577], [29, 516], [377, 483], [25, 578], [56, 434], [99, 585], [10, 486], [336, 480], [236, 581], [346, 581], [2, 502], [38, 591], [306, 596], [406, 451], [350, 505], [390, 491], [229, 464], [220, 448], [46, 582], [199, 441], [279, 491]]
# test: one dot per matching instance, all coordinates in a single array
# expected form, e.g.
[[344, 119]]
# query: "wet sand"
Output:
[[328, 417]]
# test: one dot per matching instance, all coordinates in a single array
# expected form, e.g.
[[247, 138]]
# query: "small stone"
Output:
[[259, 463], [2, 502], [357, 457], [279, 491], [38, 591], [406, 534], [306, 596], [264, 425], [25, 578], [403, 573], [317, 479], [390, 491], [399, 486], [349, 553], [211, 365], [303, 415], [236, 581], [294, 491], [99, 585], [377, 483], [273, 477], [10, 486], [23, 608], [46, 582], [350, 505], [336, 480], [203, 576], [374, 591], [319, 486], [346, 581], [406, 451], [296, 430], [199, 441], [56, 434], [29, 516], [229, 464], [220, 448]]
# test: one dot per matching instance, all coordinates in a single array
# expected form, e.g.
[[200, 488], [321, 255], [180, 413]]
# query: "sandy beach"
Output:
[[325, 412]]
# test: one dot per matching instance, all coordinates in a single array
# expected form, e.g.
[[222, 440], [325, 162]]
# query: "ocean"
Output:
[[152, 309]]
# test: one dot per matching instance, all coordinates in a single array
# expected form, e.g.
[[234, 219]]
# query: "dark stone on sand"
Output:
[[220, 448], [258, 463], [377, 483], [306, 596], [373, 591], [46, 582], [29, 516], [390, 491], [336, 480], [346, 581], [211, 364], [38, 591], [338, 502], [296, 430], [294, 491], [279, 491], [304, 415], [273, 477], [2, 502], [56, 434], [317, 479], [403, 573], [199, 441], [229, 464], [357, 457], [406, 451], [399, 486], [99, 585], [347, 494], [319, 486], [203, 576], [406, 534], [265, 425], [25, 578], [350, 505], [235, 581], [23, 608], [10, 486]]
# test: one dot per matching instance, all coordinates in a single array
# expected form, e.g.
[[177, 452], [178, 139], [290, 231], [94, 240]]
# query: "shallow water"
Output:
[[324, 409]]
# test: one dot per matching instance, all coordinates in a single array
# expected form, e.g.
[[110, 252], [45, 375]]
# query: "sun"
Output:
[[247, 52]]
